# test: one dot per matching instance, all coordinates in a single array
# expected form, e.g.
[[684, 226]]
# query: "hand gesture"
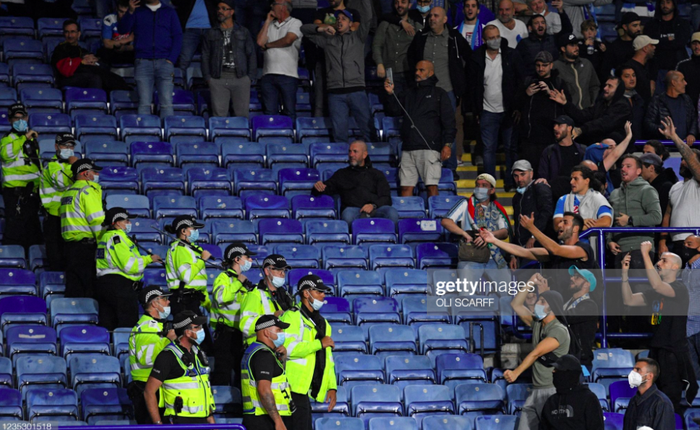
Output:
[[510, 376], [408, 28], [543, 181], [527, 222], [381, 72], [206, 255], [156, 258], [628, 128], [329, 30], [133, 4], [513, 264], [558, 5], [690, 140], [557, 96], [646, 247], [668, 130], [626, 262], [281, 350], [614, 248], [479, 242], [270, 16], [320, 186], [487, 236], [533, 88], [589, 223]]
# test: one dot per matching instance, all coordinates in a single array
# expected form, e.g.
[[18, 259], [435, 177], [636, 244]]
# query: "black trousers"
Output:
[[191, 302], [264, 422], [94, 77], [22, 226], [301, 418], [135, 392], [54, 243], [80, 269], [228, 352], [118, 301], [670, 380], [185, 420]]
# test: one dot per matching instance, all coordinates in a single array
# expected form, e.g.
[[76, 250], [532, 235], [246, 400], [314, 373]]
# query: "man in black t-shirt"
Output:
[[669, 300]]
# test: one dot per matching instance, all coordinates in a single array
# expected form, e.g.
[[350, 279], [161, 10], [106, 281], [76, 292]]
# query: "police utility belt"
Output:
[[183, 294]]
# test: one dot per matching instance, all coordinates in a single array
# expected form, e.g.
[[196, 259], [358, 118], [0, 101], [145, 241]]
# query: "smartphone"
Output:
[[390, 75]]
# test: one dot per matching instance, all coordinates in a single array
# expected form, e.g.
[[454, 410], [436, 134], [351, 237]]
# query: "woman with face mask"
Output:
[[120, 267], [230, 288]]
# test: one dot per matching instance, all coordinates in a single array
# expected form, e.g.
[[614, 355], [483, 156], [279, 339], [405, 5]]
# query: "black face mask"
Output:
[[687, 254], [685, 172], [565, 381]]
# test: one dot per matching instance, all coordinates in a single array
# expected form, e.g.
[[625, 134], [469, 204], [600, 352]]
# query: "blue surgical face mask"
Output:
[[246, 266], [96, 179], [166, 313], [200, 337], [194, 235], [127, 228], [521, 190], [423, 9], [316, 304], [481, 194], [20, 125], [277, 282], [539, 312], [66, 153], [280, 339]]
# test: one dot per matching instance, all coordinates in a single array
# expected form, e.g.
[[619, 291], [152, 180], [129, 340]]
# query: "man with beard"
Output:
[[475, 19], [621, 49], [511, 29], [691, 279], [536, 109], [629, 79], [673, 33], [581, 312], [538, 41], [644, 69], [605, 119], [585, 200], [578, 73], [654, 173], [676, 104], [573, 406], [559, 158], [668, 299], [691, 69]]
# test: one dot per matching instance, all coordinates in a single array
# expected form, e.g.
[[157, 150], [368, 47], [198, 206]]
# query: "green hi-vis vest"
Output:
[[193, 387], [228, 295], [118, 255], [144, 346], [249, 388], [55, 180]]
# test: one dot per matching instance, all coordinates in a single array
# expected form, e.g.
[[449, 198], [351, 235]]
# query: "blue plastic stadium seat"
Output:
[[201, 179], [348, 339], [220, 207], [11, 405], [28, 73], [109, 152], [52, 404], [409, 369], [121, 100], [233, 231], [228, 401], [390, 256], [439, 206], [8, 95], [321, 206], [119, 178], [380, 152], [135, 204], [86, 98], [30, 339], [496, 422], [461, 368], [339, 423], [22, 310], [376, 401], [337, 310], [480, 321], [45, 98], [12, 256], [421, 309], [254, 179], [620, 395], [273, 230], [409, 207], [353, 283], [183, 102], [73, 311], [313, 127], [406, 281], [185, 126], [81, 339], [610, 365], [422, 401], [392, 339], [613, 421], [391, 127], [479, 399], [94, 371], [145, 152], [376, 310], [6, 373], [105, 404], [300, 256], [198, 152], [516, 394], [103, 125], [266, 206], [436, 255], [272, 125], [228, 127], [243, 152], [321, 153], [435, 338], [16, 25], [297, 180], [341, 409], [282, 153], [174, 206], [50, 27], [132, 126], [26, 50], [17, 281], [360, 369], [333, 231], [51, 285], [412, 230], [303, 103], [368, 230], [168, 178], [45, 371], [602, 394], [335, 256]]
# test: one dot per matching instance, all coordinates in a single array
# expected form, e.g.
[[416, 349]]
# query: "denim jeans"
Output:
[[342, 106], [159, 73], [271, 87], [191, 39], [389, 212], [493, 124], [451, 163]]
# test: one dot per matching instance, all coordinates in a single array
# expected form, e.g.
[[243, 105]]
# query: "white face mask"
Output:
[[635, 379], [315, 304]]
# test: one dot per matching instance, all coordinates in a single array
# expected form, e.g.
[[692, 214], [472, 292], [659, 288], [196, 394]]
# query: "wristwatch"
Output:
[[449, 145], [629, 221]]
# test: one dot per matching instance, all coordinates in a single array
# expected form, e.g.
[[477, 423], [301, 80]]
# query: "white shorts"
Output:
[[423, 163]]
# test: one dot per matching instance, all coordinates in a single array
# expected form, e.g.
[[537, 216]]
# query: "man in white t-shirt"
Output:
[[511, 29]]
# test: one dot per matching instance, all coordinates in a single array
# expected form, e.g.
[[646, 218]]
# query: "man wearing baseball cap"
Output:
[[621, 50], [581, 312], [55, 179], [267, 401], [559, 158], [185, 268], [120, 268], [578, 73], [230, 288], [310, 352], [530, 197], [644, 50], [147, 340], [270, 297], [181, 373], [81, 225], [690, 68], [19, 153]]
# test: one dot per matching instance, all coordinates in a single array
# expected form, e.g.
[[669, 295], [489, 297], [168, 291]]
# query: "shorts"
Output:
[[423, 163]]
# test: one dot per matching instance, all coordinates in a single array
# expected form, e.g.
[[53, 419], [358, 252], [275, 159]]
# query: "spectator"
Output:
[[654, 173], [116, 48], [345, 71], [481, 212], [536, 42], [684, 197], [674, 103], [197, 17], [578, 73], [75, 66], [420, 15], [390, 47], [157, 48], [644, 49], [668, 299], [229, 63], [550, 340], [582, 314], [585, 200], [494, 72], [280, 40], [673, 34], [556, 22], [591, 48], [583, 411], [559, 158], [690, 68], [530, 197], [691, 279], [580, 10], [364, 190], [629, 79], [536, 109], [604, 156], [649, 407], [511, 29], [622, 49], [476, 18], [606, 118], [251, 14], [656, 147], [635, 204], [427, 142]]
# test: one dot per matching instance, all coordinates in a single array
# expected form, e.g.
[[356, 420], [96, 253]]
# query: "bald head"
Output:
[[357, 153], [437, 18], [591, 165], [675, 83], [675, 259], [424, 70], [505, 11]]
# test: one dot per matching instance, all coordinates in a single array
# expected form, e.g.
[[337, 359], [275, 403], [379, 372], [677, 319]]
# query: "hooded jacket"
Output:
[[157, 35], [538, 111], [512, 74], [639, 200], [669, 51], [581, 80], [577, 409], [659, 109], [358, 186], [602, 119], [429, 107]]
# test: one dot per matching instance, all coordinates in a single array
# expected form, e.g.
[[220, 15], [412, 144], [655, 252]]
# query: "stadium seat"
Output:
[[409, 207], [12, 256], [132, 126], [337, 310], [37, 258], [8, 95], [105, 404], [353, 283], [119, 178], [405, 281], [419, 230], [461, 368], [419, 309], [22, 49], [233, 231], [321, 206], [405, 370], [286, 153], [516, 394], [203, 179], [620, 395], [220, 207], [480, 321], [373, 230], [335, 256], [479, 399], [435, 338], [38, 99], [274, 230], [165, 178], [143, 231], [347, 338], [15, 25], [151, 152], [376, 310], [60, 404], [94, 371], [300, 256], [438, 206], [391, 127], [110, 152], [174, 206], [185, 126], [354, 370], [600, 391], [228, 401], [327, 231], [254, 179], [51, 285], [375, 401], [422, 401], [22, 310], [121, 100], [387, 256], [266, 206], [17, 282], [85, 98], [327, 153], [496, 422], [83, 339], [45, 371], [11, 405], [233, 153], [134, 204], [382, 153], [613, 421], [436, 255], [32, 73], [272, 125], [339, 423], [30, 339], [73, 311], [292, 180], [102, 125], [610, 365], [392, 423], [228, 127], [198, 152]]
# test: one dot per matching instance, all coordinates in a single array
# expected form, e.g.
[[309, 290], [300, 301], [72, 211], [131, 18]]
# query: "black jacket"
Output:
[[604, 118], [529, 47], [512, 75], [184, 9], [243, 48], [358, 186], [691, 71], [578, 409], [583, 322], [431, 110], [658, 109], [538, 111], [459, 53], [617, 53], [669, 52], [662, 184], [537, 198], [652, 409]]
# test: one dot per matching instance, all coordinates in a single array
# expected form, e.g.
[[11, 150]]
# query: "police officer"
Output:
[[230, 288], [270, 297], [55, 179], [185, 269], [310, 366], [21, 167], [81, 224], [120, 268], [267, 402], [147, 340], [181, 372]]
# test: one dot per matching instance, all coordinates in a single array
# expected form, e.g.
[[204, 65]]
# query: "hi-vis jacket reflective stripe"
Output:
[[193, 386], [144, 346], [256, 303], [55, 179], [249, 388], [17, 170], [117, 255], [81, 211], [228, 295], [183, 265], [301, 344]]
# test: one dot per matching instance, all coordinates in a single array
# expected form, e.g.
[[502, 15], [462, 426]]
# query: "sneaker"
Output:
[[479, 161]]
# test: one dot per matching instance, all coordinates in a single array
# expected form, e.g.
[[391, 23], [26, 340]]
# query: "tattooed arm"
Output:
[[688, 154], [267, 399]]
